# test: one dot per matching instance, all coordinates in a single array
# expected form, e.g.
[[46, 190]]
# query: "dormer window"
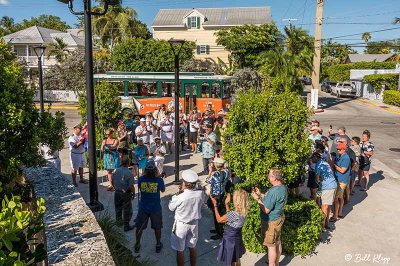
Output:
[[193, 22]]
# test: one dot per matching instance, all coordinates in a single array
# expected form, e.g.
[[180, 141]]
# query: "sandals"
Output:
[[332, 220], [159, 247], [137, 248], [363, 189]]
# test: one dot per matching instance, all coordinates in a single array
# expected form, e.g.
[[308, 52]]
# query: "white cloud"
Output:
[[3, 2]]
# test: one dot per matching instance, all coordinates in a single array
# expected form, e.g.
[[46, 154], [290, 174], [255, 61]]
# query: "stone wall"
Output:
[[73, 235]]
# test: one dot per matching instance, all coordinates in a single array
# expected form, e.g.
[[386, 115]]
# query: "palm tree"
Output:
[[366, 36], [297, 40], [59, 50], [118, 24]]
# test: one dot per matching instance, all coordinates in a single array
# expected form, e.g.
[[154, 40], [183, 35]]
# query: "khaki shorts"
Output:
[[340, 190], [327, 196], [271, 232]]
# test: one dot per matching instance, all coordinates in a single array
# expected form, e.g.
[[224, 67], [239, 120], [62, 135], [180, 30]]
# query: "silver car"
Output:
[[344, 89]]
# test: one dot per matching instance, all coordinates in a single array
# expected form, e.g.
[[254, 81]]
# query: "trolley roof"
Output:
[[114, 75]]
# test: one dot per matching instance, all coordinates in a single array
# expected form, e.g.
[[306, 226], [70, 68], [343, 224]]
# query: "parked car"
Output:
[[344, 89], [306, 80], [327, 86]]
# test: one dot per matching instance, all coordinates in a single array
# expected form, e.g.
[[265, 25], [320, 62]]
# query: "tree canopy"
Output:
[[248, 41], [383, 47], [138, 55], [117, 25], [8, 25]]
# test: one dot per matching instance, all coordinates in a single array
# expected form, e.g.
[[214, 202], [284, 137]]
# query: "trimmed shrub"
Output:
[[264, 131], [377, 81], [391, 97], [342, 72]]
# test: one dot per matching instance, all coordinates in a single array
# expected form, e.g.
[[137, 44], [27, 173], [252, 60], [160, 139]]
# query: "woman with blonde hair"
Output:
[[232, 248], [111, 157]]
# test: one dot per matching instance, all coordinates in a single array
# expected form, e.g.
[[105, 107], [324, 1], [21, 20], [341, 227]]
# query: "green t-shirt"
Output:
[[274, 200]]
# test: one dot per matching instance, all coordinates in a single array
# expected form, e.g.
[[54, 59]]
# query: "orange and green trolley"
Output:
[[142, 92]]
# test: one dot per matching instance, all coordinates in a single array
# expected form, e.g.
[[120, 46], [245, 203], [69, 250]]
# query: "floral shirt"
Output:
[[208, 149], [366, 146]]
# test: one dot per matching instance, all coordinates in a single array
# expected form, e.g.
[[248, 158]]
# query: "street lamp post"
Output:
[[174, 43], [94, 203], [39, 51]]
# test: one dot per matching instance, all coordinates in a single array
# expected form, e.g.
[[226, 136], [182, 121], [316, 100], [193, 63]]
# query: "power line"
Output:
[[348, 35]]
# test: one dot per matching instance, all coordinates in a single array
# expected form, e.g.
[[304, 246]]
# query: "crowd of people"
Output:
[[335, 170], [135, 153]]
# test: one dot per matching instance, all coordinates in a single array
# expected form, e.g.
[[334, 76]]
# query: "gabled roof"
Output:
[[69, 39], [353, 58], [233, 16], [31, 35], [40, 35]]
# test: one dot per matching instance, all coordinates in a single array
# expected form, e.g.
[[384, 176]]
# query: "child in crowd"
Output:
[[355, 146]]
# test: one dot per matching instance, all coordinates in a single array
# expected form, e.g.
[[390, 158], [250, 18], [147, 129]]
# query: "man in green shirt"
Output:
[[271, 205]]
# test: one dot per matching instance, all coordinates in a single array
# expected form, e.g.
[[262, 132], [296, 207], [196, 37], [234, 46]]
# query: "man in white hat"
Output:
[[187, 206], [143, 132], [77, 154]]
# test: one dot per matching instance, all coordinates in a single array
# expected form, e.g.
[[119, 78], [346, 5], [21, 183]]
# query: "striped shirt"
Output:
[[235, 220]]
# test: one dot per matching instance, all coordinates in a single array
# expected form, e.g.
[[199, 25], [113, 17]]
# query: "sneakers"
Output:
[[216, 237], [159, 247]]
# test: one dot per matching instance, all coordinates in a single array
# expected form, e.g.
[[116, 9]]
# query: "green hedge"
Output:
[[300, 232], [391, 97], [342, 72], [377, 80]]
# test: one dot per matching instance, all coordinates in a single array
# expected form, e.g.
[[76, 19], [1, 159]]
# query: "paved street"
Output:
[[370, 226]]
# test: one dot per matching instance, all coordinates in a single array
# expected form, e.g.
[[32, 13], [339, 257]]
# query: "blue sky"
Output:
[[342, 17]]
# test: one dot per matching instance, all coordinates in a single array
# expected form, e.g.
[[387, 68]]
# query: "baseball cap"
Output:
[[341, 146], [219, 161], [142, 119], [341, 128], [190, 176], [314, 128], [150, 165], [78, 126]]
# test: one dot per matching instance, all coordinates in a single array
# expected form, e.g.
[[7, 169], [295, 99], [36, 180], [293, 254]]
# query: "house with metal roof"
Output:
[[23, 42], [354, 58], [200, 24]]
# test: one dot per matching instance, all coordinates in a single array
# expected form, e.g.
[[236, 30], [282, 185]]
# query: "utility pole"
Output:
[[317, 55], [290, 20]]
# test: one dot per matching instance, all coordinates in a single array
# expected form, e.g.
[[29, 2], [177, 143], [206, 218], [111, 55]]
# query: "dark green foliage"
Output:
[[383, 47], [139, 55], [302, 227], [248, 41], [265, 131], [300, 232], [378, 80], [391, 97], [342, 72], [22, 128], [8, 26]]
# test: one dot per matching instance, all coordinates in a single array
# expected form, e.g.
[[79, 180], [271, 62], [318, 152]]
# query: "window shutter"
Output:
[[198, 49], [207, 49], [189, 22], [198, 22]]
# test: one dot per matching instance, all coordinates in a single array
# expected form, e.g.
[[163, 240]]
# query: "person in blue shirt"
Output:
[[149, 186], [342, 167], [271, 206], [327, 185]]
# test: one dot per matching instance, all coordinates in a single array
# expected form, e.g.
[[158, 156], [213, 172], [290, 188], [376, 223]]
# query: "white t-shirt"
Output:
[[187, 205], [145, 134], [193, 126], [167, 125], [161, 149], [72, 140]]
